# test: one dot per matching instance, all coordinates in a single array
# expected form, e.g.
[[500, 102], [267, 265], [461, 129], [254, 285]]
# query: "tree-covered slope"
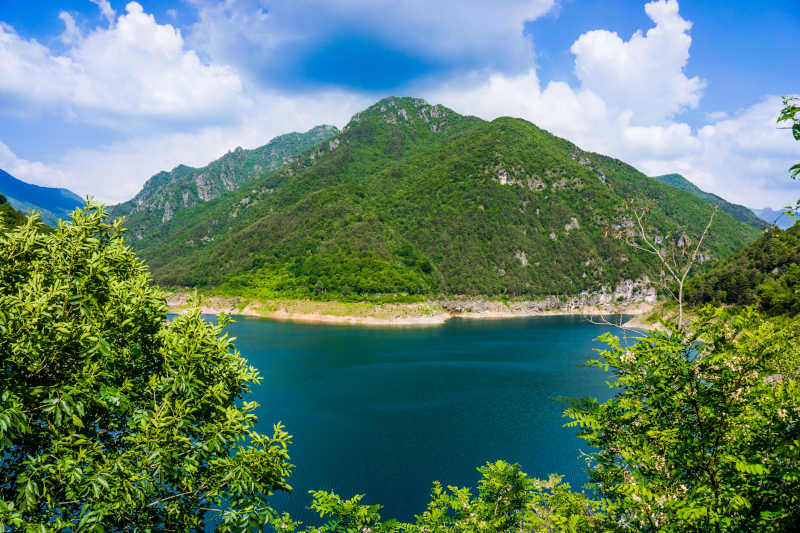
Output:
[[9, 217], [739, 212], [167, 193], [415, 198], [767, 273], [51, 203]]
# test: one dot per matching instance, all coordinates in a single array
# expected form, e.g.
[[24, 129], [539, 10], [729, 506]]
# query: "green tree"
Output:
[[111, 417], [704, 431], [791, 114], [507, 500]]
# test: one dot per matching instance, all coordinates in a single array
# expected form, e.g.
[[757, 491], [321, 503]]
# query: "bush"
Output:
[[110, 417]]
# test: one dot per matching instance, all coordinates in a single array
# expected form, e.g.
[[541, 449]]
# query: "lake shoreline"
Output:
[[431, 313]]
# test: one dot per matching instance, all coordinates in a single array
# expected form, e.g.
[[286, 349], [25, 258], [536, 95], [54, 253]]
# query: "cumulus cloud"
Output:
[[644, 74], [136, 68], [106, 10], [71, 32]]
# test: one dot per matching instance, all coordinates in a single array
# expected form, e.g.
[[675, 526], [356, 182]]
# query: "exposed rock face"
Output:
[[167, 212], [166, 193], [625, 293], [573, 224]]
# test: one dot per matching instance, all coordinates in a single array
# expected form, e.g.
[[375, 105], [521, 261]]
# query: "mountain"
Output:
[[739, 212], [415, 198], [167, 193], [774, 217], [52, 203], [767, 273]]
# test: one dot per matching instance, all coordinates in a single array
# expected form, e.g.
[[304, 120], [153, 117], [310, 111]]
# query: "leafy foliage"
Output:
[[10, 216], [110, 417], [414, 198], [763, 273], [506, 500], [791, 113], [704, 433]]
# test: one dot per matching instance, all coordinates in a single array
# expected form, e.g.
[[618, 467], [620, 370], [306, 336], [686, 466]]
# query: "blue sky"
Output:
[[97, 95]]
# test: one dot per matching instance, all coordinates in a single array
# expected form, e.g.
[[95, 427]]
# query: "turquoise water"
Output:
[[386, 411]]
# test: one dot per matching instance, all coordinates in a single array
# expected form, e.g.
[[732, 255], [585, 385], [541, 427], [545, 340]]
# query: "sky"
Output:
[[99, 95]]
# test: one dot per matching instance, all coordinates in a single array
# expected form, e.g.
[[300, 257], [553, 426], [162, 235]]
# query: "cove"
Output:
[[387, 411]]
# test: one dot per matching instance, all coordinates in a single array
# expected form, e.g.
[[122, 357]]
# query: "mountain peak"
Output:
[[407, 111]]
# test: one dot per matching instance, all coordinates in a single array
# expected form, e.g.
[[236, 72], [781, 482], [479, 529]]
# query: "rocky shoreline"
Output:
[[630, 297]]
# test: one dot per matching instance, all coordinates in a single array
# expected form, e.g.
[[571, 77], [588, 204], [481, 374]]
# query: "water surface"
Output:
[[386, 411]]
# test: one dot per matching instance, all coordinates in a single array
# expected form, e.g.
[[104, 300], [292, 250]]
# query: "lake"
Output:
[[386, 411]]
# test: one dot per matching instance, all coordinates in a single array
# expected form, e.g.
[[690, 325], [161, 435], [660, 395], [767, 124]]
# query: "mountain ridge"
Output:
[[414, 198], [774, 217], [739, 212], [52, 203], [168, 192]]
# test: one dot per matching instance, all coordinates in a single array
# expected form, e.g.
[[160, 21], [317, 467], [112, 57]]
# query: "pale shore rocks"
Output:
[[630, 297]]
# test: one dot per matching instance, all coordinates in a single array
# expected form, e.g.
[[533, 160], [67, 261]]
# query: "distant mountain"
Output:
[[168, 193], [52, 203], [739, 212], [774, 217], [414, 198], [767, 273]]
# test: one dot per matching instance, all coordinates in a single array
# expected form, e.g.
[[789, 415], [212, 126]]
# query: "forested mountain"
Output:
[[52, 203], [412, 197], [739, 212], [167, 193], [774, 217], [766, 273]]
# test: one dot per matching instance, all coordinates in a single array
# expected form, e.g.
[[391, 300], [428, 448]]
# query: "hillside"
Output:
[[52, 203], [10, 216], [167, 193], [774, 217], [766, 273], [739, 212], [414, 198]]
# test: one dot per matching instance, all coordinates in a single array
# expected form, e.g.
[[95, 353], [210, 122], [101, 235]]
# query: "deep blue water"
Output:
[[386, 411]]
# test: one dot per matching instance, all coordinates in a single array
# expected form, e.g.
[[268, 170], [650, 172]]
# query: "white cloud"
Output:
[[106, 10], [136, 68], [33, 171], [71, 32], [644, 74]]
